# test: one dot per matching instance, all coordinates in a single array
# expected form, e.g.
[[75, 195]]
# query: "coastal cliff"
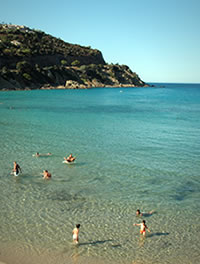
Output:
[[31, 59]]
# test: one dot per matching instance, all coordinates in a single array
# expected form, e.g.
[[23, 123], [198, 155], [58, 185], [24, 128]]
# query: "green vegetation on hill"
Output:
[[32, 59]]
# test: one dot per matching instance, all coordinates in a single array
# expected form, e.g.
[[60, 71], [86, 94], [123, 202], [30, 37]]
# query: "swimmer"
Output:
[[46, 175], [75, 233], [37, 154], [139, 213], [70, 158], [16, 168], [143, 228]]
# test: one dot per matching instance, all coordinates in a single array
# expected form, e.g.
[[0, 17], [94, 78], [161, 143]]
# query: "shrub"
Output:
[[75, 63], [26, 51], [7, 52], [27, 76], [5, 39], [63, 62], [22, 66], [83, 68], [4, 70], [37, 67]]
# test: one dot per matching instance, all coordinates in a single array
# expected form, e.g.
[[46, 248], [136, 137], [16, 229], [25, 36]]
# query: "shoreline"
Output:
[[62, 87], [16, 255]]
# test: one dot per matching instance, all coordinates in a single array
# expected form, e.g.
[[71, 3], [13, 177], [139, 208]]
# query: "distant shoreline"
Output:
[[62, 87]]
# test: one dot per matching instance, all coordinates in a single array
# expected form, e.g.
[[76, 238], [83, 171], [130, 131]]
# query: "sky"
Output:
[[157, 39]]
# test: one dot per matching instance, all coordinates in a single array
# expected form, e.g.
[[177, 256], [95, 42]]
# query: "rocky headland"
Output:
[[31, 59]]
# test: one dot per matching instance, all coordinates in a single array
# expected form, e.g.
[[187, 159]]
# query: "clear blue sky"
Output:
[[158, 39]]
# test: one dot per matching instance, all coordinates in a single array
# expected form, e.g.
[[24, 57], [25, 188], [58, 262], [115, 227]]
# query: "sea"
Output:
[[135, 148]]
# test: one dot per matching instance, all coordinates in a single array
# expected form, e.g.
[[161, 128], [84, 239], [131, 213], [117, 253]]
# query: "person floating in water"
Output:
[[75, 233], [139, 213], [70, 158], [37, 154], [46, 175], [143, 228], [16, 168]]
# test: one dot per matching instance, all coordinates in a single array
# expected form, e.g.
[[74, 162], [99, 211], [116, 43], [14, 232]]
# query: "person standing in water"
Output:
[[16, 168], [143, 228], [75, 233], [46, 175]]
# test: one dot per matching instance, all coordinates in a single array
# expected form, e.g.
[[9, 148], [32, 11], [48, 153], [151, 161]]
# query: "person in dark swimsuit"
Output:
[[70, 158], [46, 175], [16, 168]]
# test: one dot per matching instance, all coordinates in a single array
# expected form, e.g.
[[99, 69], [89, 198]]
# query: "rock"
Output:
[[70, 84]]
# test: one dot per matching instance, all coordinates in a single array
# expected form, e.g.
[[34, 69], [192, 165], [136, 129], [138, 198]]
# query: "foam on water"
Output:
[[136, 149]]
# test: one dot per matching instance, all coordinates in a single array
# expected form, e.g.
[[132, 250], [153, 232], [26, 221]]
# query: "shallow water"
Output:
[[135, 148]]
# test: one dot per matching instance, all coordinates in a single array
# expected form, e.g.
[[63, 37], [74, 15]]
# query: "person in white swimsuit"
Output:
[[75, 233]]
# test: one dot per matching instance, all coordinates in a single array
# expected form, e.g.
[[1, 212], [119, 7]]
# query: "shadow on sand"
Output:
[[158, 234], [94, 243], [148, 214]]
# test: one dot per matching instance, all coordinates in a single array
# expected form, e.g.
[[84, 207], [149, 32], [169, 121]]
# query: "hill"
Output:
[[31, 59]]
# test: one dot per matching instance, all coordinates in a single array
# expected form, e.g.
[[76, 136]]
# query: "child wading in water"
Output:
[[75, 233], [143, 228]]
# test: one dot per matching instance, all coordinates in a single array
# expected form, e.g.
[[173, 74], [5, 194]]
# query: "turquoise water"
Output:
[[135, 148]]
